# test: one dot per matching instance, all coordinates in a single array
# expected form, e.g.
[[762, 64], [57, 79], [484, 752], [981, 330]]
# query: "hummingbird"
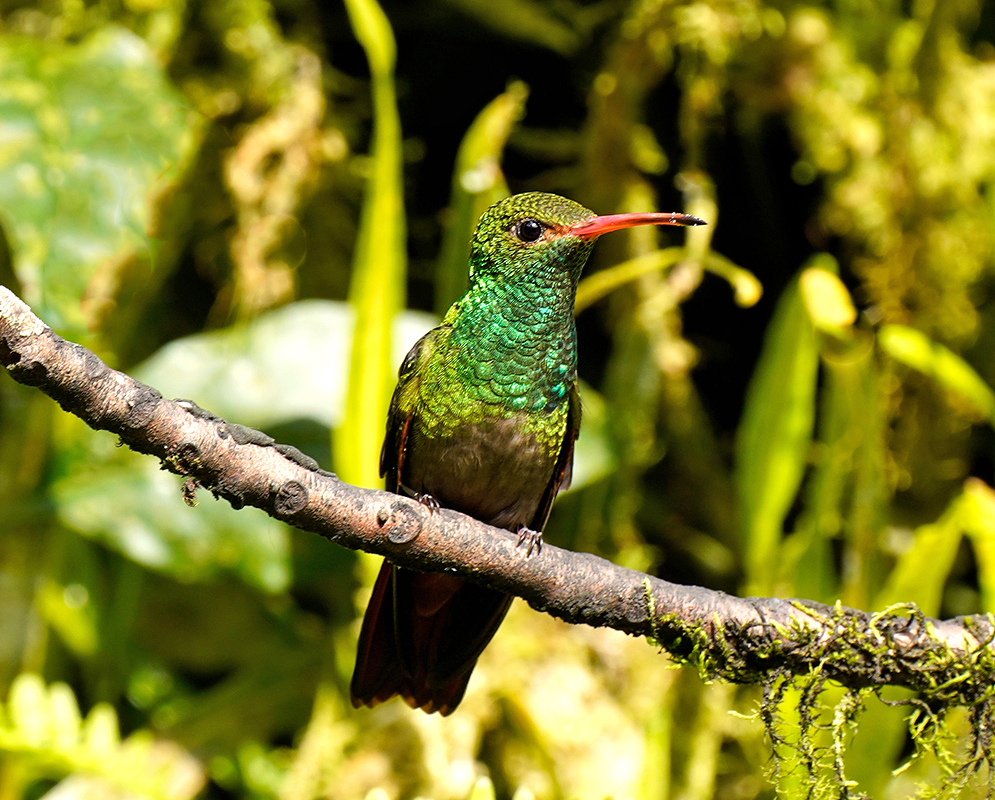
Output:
[[483, 420]]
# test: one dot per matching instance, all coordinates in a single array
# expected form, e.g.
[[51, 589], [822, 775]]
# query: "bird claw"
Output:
[[532, 539], [428, 501], [424, 498]]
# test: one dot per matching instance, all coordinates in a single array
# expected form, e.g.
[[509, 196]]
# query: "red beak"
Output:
[[614, 222]]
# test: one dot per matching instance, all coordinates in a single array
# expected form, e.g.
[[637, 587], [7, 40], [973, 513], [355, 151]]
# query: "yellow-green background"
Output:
[[215, 196]]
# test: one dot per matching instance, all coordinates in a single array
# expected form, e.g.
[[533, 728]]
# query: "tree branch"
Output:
[[741, 640]]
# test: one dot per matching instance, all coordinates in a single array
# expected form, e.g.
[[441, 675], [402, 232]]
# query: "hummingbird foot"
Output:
[[424, 498], [428, 501], [531, 539]]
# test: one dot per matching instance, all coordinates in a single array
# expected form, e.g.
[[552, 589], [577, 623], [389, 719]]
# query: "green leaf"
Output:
[[921, 572], [75, 622], [44, 727], [978, 519], [28, 710], [806, 566], [243, 372], [827, 299], [478, 182], [914, 349], [128, 503], [379, 264], [846, 493], [530, 21], [602, 283], [775, 434], [593, 455], [483, 789], [101, 734], [746, 288], [89, 134], [66, 720]]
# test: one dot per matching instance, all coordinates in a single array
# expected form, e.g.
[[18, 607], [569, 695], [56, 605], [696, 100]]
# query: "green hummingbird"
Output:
[[483, 421]]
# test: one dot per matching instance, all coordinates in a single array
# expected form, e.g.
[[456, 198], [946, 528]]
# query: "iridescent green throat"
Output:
[[514, 340]]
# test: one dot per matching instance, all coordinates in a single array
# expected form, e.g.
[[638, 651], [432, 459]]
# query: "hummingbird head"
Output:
[[532, 234]]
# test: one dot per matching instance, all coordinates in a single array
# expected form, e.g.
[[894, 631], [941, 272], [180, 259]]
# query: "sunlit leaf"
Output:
[[89, 133], [74, 622], [593, 455], [483, 789], [747, 290], [806, 568], [67, 723], [477, 183], [775, 434], [700, 200], [528, 20], [922, 571], [44, 723], [914, 349], [377, 289], [126, 502], [827, 300], [29, 710], [287, 364], [978, 519], [602, 283], [101, 732]]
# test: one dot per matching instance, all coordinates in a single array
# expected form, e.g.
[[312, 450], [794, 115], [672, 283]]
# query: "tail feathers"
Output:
[[442, 699], [421, 637], [378, 671]]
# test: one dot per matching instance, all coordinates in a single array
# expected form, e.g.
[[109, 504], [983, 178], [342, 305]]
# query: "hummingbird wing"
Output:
[[563, 471], [402, 410], [379, 672]]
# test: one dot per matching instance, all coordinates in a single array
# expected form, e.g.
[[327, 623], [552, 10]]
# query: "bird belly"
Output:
[[495, 470]]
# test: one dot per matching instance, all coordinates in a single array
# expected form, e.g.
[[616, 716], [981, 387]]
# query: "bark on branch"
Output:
[[745, 640]]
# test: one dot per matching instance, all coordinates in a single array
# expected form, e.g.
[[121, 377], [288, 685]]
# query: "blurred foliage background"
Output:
[[216, 196]]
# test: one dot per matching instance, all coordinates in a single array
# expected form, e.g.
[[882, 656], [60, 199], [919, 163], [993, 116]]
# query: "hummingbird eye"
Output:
[[529, 230]]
